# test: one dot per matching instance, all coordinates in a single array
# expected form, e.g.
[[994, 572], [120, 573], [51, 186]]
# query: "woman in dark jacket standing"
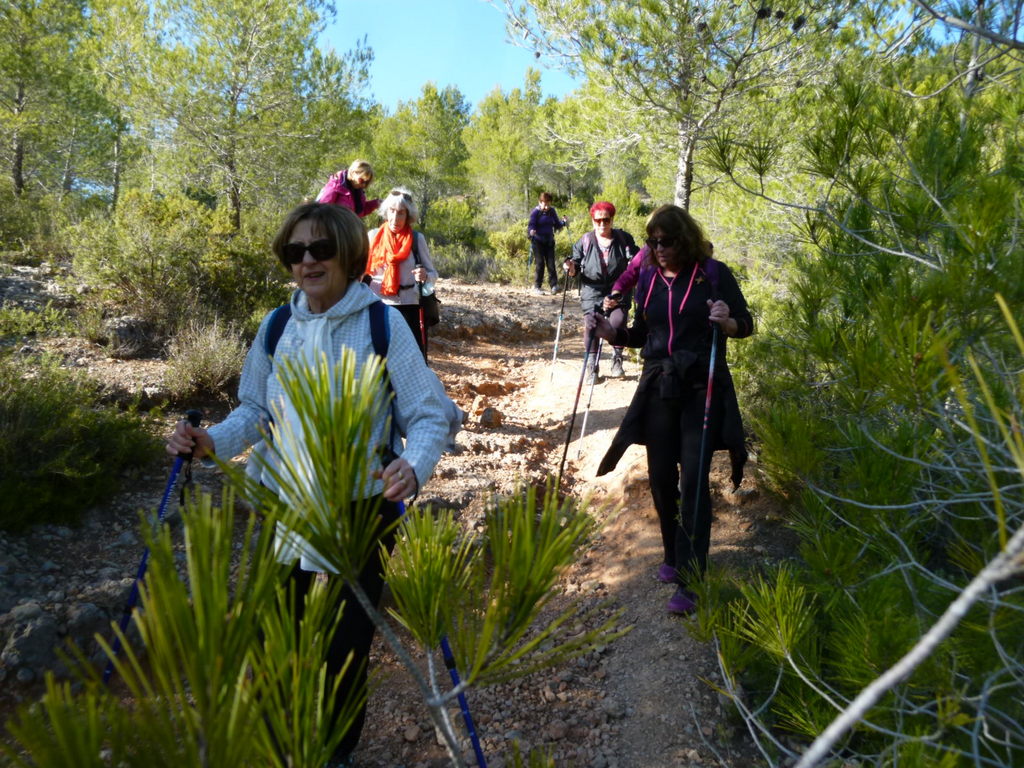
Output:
[[680, 293], [541, 229], [600, 257]]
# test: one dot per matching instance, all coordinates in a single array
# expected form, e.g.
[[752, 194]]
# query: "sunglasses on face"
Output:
[[320, 250], [665, 242], [602, 221]]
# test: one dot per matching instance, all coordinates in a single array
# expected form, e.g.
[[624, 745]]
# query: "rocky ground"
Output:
[[646, 700]]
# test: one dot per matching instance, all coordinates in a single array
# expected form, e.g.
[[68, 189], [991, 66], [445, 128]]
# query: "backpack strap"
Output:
[[278, 320], [380, 335], [380, 329]]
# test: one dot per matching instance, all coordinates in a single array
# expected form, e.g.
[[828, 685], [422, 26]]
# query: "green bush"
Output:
[[165, 258], [511, 242], [60, 450], [881, 387], [22, 222], [16, 322], [464, 263], [453, 220], [204, 359]]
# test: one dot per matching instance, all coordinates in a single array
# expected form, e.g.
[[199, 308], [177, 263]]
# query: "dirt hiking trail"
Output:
[[643, 701]]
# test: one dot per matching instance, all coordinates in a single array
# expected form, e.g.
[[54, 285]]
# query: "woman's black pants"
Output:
[[544, 254], [672, 432], [411, 313], [354, 631]]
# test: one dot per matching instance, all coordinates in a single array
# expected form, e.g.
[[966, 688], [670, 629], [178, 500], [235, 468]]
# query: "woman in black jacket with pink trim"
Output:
[[681, 291]]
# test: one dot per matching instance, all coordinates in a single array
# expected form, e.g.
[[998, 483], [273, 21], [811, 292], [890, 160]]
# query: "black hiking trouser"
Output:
[[544, 254], [672, 434], [411, 313], [354, 632]]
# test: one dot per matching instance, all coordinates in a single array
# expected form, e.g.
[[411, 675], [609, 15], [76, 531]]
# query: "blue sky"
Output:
[[449, 42]]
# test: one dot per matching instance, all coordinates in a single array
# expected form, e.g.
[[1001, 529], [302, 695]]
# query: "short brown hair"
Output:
[[673, 221], [545, 196], [339, 225]]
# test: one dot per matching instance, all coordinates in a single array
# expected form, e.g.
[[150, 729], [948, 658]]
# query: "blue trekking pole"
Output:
[[194, 418], [449, 662]]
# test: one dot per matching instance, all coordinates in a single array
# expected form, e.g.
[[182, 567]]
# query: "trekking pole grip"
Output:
[[194, 417]]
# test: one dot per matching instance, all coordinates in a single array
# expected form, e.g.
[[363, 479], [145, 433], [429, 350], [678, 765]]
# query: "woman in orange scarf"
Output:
[[399, 263]]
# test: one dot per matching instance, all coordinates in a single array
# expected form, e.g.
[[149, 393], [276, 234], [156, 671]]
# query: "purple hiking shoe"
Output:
[[682, 603], [666, 573]]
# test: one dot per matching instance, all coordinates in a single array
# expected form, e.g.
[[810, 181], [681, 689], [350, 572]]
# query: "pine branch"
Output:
[[1009, 562]]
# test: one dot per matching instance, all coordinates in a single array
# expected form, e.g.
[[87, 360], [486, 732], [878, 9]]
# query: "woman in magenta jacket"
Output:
[[348, 189]]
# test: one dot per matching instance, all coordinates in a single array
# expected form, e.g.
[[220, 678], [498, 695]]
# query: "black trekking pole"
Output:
[[423, 323], [590, 397], [575, 405], [182, 459], [704, 428], [558, 330]]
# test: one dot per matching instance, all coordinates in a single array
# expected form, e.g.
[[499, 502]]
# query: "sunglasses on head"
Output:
[[320, 250], [665, 242], [602, 221], [405, 195]]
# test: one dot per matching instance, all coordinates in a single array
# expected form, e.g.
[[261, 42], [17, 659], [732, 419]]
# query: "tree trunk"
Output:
[[236, 205], [684, 169], [116, 172], [234, 190], [68, 175], [18, 146]]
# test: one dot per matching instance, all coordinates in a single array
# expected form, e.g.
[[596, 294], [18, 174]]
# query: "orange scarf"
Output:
[[388, 250]]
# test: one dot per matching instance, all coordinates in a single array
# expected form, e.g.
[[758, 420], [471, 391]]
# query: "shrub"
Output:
[[146, 259], [453, 220], [467, 264], [511, 242], [17, 321], [60, 450], [22, 224], [164, 258], [204, 359]]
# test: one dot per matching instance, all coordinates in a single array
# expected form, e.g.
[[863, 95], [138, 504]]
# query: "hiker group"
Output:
[[684, 406]]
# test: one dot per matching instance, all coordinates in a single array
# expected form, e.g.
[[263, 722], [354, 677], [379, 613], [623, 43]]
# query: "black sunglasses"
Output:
[[664, 242], [320, 250], [405, 195]]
